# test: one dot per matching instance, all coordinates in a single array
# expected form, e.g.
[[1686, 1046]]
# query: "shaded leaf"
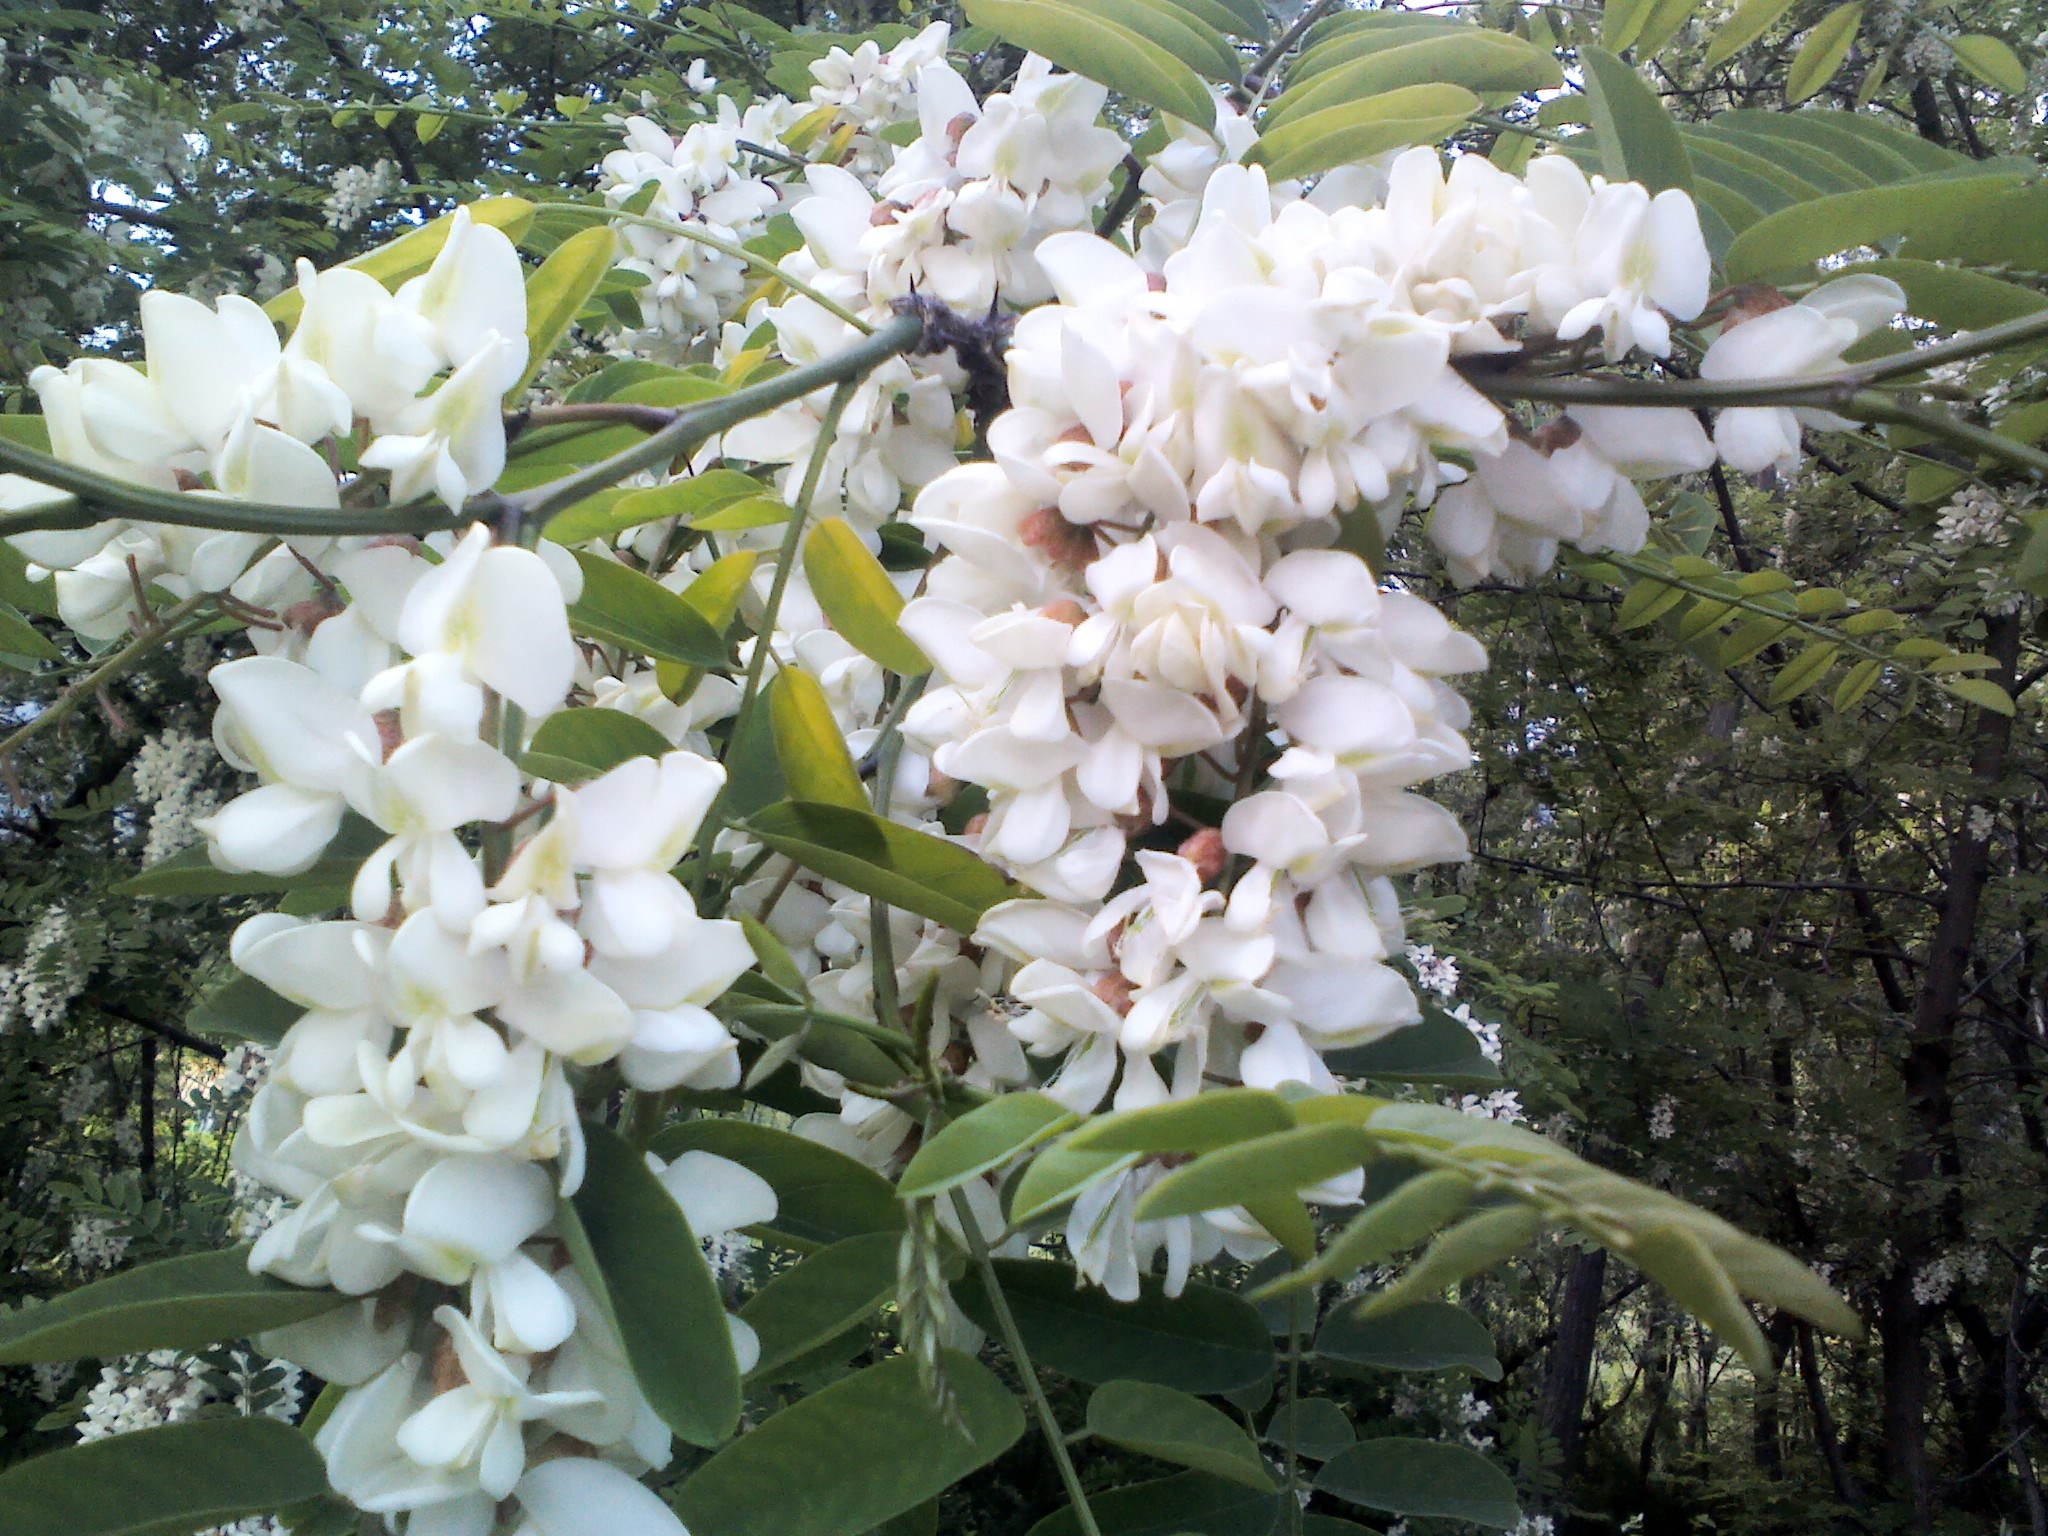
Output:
[[899, 865], [623, 607], [1172, 1426], [1422, 1477], [577, 744], [1429, 1336], [822, 1196], [820, 1297]]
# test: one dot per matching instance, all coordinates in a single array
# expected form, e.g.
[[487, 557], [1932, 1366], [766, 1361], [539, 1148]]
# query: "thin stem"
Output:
[[732, 248], [1829, 391], [764, 636], [1293, 1465], [1255, 79], [66, 703], [695, 423], [1875, 405], [144, 503], [1013, 1341]]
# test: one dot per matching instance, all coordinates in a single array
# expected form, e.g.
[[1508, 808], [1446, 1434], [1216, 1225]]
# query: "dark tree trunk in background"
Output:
[[1570, 1367], [1767, 1430], [1826, 1438], [1931, 1152]]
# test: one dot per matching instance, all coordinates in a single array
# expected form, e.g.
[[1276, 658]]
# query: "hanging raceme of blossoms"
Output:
[[1145, 601]]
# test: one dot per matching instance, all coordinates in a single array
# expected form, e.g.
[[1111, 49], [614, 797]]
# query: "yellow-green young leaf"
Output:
[[1663, 21], [1646, 602], [1316, 141], [1751, 639], [1705, 616], [18, 637], [1128, 62], [1479, 61], [1991, 61], [1621, 20], [1857, 682], [1384, 1228], [1804, 671], [1871, 621], [1200, 1124], [557, 292], [716, 595], [428, 125], [1679, 1261], [1474, 1244], [1637, 138], [808, 743], [1762, 583], [1819, 602], [1982, 692], [858, 597], [1752, 19], [1234, 18], [1823, 51], [1179, 31], [411, 254], [1287, 1218]]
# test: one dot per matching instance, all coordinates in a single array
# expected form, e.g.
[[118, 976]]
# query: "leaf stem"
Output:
[[694, 424], [1013, 1341], [786, 559]]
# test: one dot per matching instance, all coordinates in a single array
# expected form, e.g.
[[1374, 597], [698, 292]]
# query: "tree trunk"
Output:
[[1930, 1150], [1826, 1438], [1767, 1430], [1570, 1368]]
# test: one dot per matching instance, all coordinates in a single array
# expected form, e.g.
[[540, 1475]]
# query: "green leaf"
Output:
[[622, 607], [1204, 1340], [1173, 1506], [1312, 1426], [1826, 46], [820, 1297], [244, 1009], [633, 1247], [1984, 693], [1281, 1164], [169, 1481], [37, 597], [412, 253], [1437, 1050], [863, 1450], [1422, 1477], [1857, 682], [18, 637], [859, 598], [1316, 141], [1128, 62], [1479, 61], [1389, 1225], [1646, 602], [1621, 20], [1429, 1336], [1200, 1124], [1477, 1243], [1936, 217], [1750, 21], [1677, 1260], [899, 865], [985, 1138], [1158, 1421], [579, 744], [192, 872], [815, 763], [184, 1303], [1057, 1175], [1180, 30], [558, 290], [693, 498], [1992, 61], [1664, 19], [822, 1196], [1638, 140], [1804, 671]]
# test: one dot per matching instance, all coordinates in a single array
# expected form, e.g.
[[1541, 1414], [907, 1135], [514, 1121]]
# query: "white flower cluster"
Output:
[[357, 192], [98, 1243], [1975, 518], [222, 403], [1664, 1118], [83, 1093], [50, 974], [1433, 972], [167, 772]]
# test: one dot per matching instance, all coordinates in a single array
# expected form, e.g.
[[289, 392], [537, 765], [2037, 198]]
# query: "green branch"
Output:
[[101, 496], [164, 628]]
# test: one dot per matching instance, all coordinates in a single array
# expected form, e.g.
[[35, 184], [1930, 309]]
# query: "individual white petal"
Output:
[[577, 1496], [717, 1194]]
